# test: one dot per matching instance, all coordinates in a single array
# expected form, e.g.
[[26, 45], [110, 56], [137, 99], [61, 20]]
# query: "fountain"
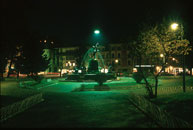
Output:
[[91, 66], [93, 60]]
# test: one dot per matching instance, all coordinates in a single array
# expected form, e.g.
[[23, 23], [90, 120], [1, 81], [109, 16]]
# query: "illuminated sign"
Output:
[[145, 66]]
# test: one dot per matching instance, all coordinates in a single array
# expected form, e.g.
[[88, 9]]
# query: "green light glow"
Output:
[[97, 32]]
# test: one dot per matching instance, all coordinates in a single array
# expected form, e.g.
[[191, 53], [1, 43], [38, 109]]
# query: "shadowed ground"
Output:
[[63, 108]]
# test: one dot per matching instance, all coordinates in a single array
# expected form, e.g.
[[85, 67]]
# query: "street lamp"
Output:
[[116, 66], [174, 27], [116, 61], [97, 31], [162, 56], [95, 47]]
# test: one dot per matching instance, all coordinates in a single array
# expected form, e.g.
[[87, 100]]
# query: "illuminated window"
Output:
[[134, 69], [69, 63]]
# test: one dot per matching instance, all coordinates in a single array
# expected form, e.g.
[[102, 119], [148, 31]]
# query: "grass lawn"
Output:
[[11, 92], [172, 98]]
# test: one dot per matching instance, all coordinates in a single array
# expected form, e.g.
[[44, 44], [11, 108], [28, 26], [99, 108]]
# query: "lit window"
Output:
[[134, 69]]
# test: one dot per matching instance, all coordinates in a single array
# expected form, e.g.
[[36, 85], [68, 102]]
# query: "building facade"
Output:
[[64, 59], [118, 56], [61, 59]]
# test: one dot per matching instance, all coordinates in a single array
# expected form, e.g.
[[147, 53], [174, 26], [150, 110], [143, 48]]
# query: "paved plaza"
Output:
[[64, 108]]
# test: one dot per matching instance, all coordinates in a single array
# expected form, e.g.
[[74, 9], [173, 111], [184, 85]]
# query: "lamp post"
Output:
[[96, 32], [174, 27], [116, 65], [162, 56]]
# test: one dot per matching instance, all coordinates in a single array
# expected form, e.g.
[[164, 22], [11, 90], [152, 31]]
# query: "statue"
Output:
[[93, 63], [95, 50]]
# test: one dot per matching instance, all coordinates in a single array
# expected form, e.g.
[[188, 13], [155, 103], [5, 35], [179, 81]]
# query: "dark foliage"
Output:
[[101, 78], [93, 66], [138, 77], [33, 59]]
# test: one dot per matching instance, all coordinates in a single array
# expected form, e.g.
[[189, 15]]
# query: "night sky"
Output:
[[73, 21]]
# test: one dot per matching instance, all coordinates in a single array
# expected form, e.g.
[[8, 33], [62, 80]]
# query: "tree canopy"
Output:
[[154, 40]]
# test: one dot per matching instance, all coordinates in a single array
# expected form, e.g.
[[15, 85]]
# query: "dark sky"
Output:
[[73, 21]]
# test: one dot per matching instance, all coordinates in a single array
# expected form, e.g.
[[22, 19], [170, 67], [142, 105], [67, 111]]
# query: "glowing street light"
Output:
[[97, 31], [174, 26], [116, 61], [161, 55]]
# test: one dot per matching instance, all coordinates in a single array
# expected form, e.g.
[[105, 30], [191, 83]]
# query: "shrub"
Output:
[[137, 76], [101, 78], [37, 78]]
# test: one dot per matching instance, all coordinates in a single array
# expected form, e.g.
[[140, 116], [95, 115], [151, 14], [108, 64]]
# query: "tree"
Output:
[[19, 59], [11, 55], [33, 60], [3, 60], [155, 40], [9, 52]]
